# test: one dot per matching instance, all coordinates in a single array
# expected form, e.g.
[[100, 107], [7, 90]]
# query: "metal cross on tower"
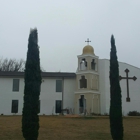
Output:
[[87, 41], [127, 83]]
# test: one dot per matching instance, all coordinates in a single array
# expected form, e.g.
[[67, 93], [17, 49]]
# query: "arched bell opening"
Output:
[[83, 64], [93, 64]]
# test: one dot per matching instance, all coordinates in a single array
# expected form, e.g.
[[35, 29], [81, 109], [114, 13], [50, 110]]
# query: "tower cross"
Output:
[[127, 83], [87, 41]]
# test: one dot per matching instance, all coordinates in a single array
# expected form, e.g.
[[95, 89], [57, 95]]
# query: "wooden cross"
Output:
[[87, 41], [127, 83]]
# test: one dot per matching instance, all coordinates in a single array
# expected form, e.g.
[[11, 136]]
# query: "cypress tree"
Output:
[[32, 78], [116, 122]]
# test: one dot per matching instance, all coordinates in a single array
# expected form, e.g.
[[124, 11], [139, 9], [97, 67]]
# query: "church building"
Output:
[[84, 92]]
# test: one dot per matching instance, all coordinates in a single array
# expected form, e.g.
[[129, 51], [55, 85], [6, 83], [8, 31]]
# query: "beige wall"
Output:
[[91, 93], [92, 102], [92, 82], [89, 60]]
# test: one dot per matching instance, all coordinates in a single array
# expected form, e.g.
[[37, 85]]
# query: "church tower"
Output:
[[87, 96]]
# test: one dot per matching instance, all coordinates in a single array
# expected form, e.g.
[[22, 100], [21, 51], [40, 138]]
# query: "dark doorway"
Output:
[[14, 108], [82, 104], [58, 107]]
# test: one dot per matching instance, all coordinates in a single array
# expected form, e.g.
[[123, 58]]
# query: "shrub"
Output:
[[133, 113], [106, 114], [95, 114]]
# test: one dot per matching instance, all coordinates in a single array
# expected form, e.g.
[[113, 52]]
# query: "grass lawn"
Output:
[[69, 128]]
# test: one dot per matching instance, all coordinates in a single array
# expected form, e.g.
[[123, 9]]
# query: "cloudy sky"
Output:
[[64, 25]]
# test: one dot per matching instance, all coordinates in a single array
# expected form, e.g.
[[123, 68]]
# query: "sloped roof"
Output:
[[44, 74]]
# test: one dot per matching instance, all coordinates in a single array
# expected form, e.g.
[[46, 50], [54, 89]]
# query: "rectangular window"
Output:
[[58, 85], [15, 84], [14, 108]]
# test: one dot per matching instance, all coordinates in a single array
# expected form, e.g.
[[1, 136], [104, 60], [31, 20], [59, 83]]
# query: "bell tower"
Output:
[[87, 96]]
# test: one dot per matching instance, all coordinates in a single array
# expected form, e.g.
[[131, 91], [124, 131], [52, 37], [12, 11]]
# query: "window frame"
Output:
[[60, 88], [16, 89]]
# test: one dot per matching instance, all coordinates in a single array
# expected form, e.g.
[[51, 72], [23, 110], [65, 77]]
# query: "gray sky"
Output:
[[64, 25]]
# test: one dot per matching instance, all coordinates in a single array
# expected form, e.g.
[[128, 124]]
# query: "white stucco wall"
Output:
[[48, 95], [102, 89], [134, 87], [7, 95], [69, 89]]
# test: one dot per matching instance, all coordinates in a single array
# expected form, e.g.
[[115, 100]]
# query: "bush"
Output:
[[133, 113], [106, 114], [95, 114]]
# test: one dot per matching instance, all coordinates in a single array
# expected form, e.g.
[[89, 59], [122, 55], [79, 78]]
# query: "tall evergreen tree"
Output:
[[116, 122], [32, 77]]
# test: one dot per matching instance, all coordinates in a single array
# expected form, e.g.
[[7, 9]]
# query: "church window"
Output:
[[93, 64], [58, 85], [83, 82], [83, 64], [14, 108], [15, 84]]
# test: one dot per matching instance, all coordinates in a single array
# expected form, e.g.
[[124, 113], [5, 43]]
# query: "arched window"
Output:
[[93, 64], [83, 82], [83, 64]]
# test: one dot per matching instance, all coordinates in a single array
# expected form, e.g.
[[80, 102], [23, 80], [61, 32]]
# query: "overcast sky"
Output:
[[64, 25]]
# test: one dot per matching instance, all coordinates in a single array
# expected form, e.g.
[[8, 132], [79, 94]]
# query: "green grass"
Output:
[[69, 128]]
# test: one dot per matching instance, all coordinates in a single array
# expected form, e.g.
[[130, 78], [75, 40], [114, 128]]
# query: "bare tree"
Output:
[[12, 65]]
